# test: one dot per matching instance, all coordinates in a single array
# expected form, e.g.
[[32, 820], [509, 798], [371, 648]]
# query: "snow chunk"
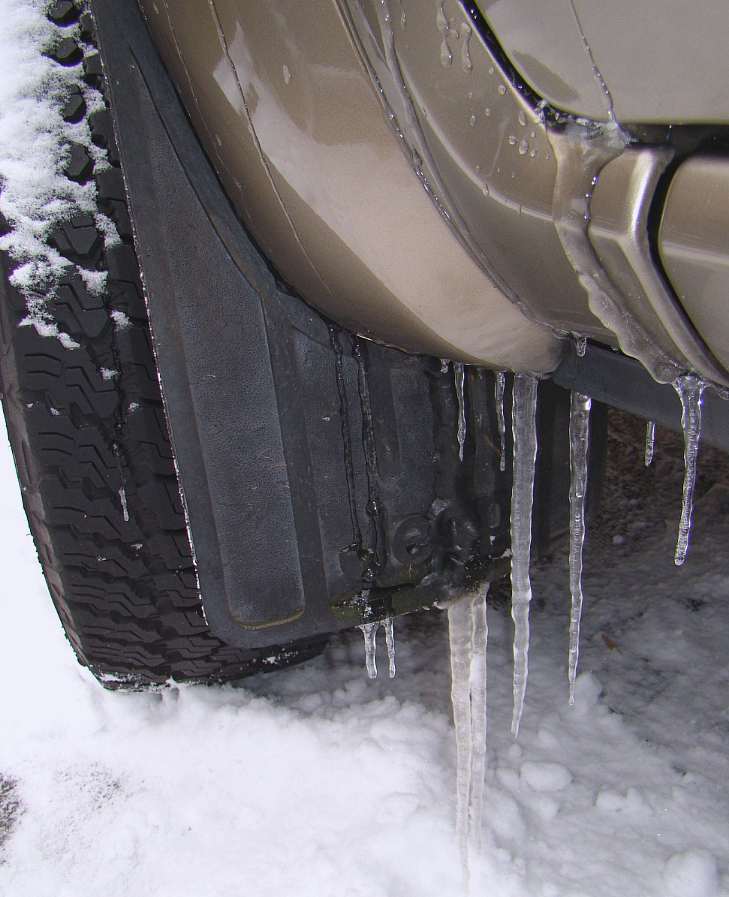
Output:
[[691, 874], [121, 321], [611, 801], [587, 691], [545, 775], [68, 342], [94, 281]]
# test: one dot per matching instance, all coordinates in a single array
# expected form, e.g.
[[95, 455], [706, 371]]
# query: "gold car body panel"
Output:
[[315, 170], [393, 170], [647, 62], [694, 246]]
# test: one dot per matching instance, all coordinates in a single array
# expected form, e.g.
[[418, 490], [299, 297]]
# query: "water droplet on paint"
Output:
[[522, 118], [466, 63]]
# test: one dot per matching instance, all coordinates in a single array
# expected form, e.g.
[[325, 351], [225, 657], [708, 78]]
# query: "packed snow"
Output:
[[318, 780], [35, 145]]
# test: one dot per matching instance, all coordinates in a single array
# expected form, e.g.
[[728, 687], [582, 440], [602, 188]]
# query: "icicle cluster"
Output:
[[369, 630], [579, 436], [468, 635], [524, 423], [689, 389]]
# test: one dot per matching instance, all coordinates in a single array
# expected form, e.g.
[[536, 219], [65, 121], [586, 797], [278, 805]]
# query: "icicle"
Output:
[[459, 374], [390, 640], [689, 389], [123, 500], [460, 636], [478, 711], [369, 631], [467, 632], [500, 386], [370, 638], [524, 422], [444, 365], [579, 433], [580, 344], [650, 438]]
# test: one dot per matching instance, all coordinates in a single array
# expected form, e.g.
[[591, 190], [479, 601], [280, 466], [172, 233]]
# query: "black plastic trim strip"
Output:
[[624, 383]]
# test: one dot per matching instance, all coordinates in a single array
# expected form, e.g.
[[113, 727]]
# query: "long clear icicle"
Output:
[[579, 435], [689, 389], [460, 637], [459, 375], [390, 640], [524, 423], [650, 441], [478, 711], [499, 389], [468, 632]]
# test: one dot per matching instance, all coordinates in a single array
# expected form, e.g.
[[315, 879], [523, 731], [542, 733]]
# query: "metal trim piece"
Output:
[[618, 231], [624, 383], [693, 242]]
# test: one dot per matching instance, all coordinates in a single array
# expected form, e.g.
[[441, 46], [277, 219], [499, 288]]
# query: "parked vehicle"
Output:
[[261, 403]]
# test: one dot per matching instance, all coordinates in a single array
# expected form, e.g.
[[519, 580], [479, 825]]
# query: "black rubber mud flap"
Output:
[[255, 537], [82, 403], [322, 474]]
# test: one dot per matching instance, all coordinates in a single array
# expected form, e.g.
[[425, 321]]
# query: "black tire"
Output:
[[92, 450]]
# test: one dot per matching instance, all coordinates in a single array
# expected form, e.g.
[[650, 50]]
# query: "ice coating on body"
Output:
[[499, 395], [467, 633], [650, 439], [459, 375], [524, 424], [689, 389], [579, 438]]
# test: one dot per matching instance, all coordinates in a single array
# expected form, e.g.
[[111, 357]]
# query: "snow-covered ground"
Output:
[[319, 781]]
